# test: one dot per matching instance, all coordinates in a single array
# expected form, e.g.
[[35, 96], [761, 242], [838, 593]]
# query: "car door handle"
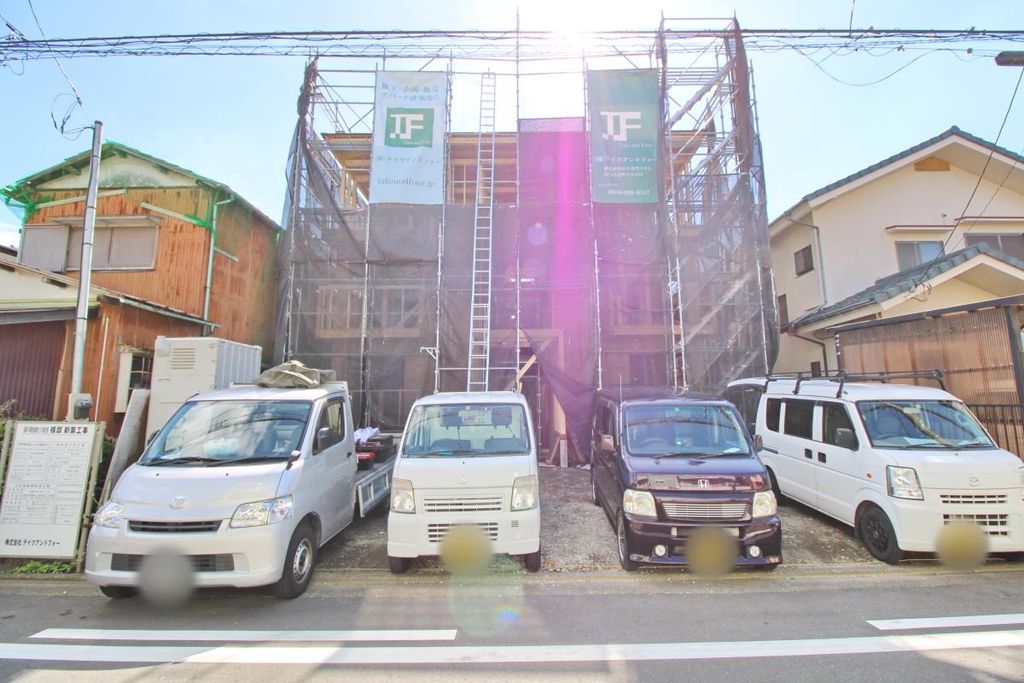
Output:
[[821, 457], [349, 454], [808, 454]]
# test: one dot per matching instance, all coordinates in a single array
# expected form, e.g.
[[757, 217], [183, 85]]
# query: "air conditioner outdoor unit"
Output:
[[183, 366]]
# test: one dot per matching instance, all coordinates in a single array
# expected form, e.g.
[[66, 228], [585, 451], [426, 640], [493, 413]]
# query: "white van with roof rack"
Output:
[[896, 462]]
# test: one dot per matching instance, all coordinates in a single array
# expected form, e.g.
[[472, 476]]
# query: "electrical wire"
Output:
[[992, 150], [61, 127]]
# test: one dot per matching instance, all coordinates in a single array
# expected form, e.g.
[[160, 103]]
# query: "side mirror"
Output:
[[607, 443], [323, 437], [845, 438], [758, 443]]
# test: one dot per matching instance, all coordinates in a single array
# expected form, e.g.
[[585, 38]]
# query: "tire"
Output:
[[767, 567], [531, 561], [622, 541], [298, 563], [878, 536], [1012, 557], [593, 487], [398, 565], [119, 592], [779, 498]]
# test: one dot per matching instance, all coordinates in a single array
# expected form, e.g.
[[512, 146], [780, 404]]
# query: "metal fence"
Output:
[[1005, 422]]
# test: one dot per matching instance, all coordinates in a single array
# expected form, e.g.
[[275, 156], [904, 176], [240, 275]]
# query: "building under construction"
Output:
[[538, 265]]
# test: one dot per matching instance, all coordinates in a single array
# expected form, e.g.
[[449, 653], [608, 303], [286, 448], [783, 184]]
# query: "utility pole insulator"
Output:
[[1010, 58]]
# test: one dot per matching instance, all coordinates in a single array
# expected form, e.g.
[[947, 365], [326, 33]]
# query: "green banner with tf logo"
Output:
[[623, 114]]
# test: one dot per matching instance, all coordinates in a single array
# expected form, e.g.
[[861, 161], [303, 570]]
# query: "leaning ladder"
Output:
[[480, 308]]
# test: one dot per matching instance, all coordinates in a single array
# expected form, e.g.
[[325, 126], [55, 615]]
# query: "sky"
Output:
[[231, 118]]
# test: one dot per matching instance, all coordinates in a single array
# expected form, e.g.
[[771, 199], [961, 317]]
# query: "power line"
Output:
[[981, 176], [66, 116]]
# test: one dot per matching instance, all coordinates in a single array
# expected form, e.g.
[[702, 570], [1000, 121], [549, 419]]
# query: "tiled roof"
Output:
[[904, 281]]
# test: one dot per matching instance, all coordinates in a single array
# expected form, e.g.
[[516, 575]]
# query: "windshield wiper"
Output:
[[252, 458], [689, 454], [179, 461]]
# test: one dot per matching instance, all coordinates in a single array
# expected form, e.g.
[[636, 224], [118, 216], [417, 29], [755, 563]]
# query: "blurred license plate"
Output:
[[732, 531]]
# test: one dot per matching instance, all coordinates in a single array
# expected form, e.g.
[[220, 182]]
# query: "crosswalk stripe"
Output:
[[948, 622], [491, 654], [201, 636]]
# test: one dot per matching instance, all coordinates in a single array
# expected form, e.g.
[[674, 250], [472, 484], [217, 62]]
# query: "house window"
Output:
[[1011, 244], [783, 312], [134, 372], [911, 254], [804, 261], [815, 368], [124, 246]]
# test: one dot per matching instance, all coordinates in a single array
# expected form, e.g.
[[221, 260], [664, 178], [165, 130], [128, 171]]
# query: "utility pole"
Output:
[[79, 404]]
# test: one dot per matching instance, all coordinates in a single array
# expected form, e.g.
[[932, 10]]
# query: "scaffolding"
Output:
[[518, 280]]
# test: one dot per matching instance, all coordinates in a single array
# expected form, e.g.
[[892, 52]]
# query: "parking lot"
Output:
[[576, 534]]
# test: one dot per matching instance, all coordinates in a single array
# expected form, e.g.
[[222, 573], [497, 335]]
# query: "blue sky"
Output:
[[231, 118]]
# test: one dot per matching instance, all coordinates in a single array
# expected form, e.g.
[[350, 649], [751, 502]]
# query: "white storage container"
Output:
[[183, 366]]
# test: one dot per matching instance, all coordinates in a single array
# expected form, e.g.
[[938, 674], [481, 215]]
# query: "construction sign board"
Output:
[[409, 124], [51, 466]]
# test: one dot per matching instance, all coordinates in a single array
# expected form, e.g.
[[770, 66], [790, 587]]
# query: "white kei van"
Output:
[[242, 486], [466, 459], [896, 462]]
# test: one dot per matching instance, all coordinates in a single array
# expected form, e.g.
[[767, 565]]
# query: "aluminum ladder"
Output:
[[480, 302]]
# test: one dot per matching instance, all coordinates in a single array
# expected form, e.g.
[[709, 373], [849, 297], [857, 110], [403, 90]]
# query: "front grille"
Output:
[[479, 504], [200, 563], [973, 498], [173, 527], [436, 532], [992, 524], [705, 511]]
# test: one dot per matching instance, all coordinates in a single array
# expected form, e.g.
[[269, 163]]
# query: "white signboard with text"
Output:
[[410, 111], [44, 489]]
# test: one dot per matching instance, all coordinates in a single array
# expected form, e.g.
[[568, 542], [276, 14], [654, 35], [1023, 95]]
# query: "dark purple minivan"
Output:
[[666, 464]]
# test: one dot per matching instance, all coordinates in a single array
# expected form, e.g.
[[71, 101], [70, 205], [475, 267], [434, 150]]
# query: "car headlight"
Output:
[[402, 497], [764, 505], [640, 503], [902, 482], [524, 492], [262, 512], [110, 515]]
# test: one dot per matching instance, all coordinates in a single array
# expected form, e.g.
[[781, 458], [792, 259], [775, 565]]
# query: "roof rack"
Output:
[[842, 377]]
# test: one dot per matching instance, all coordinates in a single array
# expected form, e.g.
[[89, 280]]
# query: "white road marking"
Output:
[[948, 622], [202, 636], [490, 654]]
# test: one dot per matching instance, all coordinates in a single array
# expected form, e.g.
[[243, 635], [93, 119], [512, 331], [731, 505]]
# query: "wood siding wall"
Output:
[[243, 292], [113, 328]]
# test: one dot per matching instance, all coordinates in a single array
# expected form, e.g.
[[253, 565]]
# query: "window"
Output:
[[771, 416], [911, 254], [783, 312], [816, 368], [833, 416], [1011, 244], [332, 418], [804, 261], [127, 247], [799, 418], [134, 372], [697, 429]]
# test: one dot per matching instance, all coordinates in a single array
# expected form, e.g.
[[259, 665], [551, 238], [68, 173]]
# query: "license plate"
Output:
[[732, 531]]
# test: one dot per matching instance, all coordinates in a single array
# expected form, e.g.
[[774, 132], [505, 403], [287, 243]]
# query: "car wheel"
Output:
[[119, 592], [298, 564], [593, 487], [398, 565], [766, 567], [531, 561], [622, 539], [779, 498], [879, 537]]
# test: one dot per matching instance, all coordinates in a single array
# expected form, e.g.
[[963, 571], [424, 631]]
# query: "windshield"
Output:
[[209, 432], [467, 430], [699, 430], [922, 424]]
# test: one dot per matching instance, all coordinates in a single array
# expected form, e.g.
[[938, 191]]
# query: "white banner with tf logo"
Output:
[[409, 126]]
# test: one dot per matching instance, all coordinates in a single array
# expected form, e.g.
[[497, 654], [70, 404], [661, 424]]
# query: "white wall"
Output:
[[118, 171]]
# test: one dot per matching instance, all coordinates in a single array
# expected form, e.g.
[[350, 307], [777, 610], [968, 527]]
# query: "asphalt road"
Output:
[[595, 626]]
